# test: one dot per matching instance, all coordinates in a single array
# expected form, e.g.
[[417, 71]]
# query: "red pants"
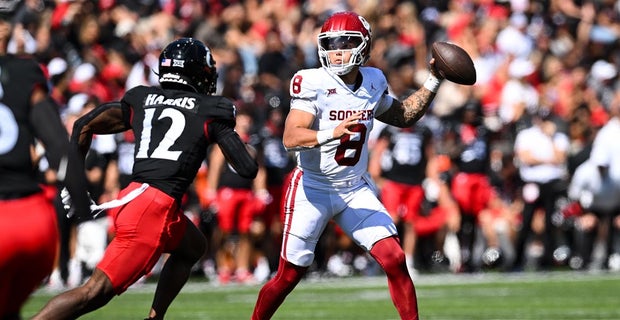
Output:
[[28, 245], [402, 200], [406, 200], [472, 192], [236, 209], [427, 225], [144, 228]]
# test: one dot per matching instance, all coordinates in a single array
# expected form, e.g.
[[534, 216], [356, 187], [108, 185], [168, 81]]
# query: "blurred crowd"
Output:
[[521, 171]]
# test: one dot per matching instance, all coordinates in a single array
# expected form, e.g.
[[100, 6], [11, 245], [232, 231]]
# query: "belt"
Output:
[[97, 209], [347, 183]]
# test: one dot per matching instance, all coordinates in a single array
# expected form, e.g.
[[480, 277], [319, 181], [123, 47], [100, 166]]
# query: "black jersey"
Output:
[[18, 79], [474, 145], [229, 178], [405, 159], [172, 130], [278, 161]]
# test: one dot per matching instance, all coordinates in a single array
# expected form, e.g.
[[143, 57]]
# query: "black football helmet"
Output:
[[187, 62]]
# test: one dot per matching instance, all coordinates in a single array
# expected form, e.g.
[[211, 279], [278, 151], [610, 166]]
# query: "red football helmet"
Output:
[[345, 31]]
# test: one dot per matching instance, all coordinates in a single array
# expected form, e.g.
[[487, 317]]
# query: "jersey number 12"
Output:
[[162, 150]]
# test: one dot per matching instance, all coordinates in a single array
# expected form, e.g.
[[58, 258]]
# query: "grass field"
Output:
[[555, 295]]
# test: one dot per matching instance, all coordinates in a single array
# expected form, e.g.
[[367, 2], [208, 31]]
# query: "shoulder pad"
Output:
[[25, 70], [218, 107], [305, 83], [376, 76], [135, 94]]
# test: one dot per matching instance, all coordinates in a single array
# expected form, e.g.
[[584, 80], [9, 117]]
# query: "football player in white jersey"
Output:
[[332, 112]]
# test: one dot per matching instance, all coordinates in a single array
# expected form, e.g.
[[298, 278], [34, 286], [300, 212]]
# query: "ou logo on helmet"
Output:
[[365, 24]]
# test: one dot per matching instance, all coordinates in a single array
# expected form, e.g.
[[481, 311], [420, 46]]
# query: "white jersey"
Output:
[[605, 148], [542, 147], [330, 100]]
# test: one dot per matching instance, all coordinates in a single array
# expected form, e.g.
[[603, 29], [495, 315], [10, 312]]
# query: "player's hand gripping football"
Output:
[[65, 197], [434, 70]]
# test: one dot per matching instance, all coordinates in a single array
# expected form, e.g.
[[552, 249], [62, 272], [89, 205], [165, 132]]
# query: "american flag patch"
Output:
[[166, 62]]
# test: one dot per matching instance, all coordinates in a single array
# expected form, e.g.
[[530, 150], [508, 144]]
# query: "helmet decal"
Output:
[[209, 59], [187, 63], [365, 24]]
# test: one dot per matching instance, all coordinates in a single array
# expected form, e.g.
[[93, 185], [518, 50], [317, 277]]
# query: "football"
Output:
[[454, 63]]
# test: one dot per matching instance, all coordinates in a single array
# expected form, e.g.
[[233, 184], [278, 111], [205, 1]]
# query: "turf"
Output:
[[555, 295]]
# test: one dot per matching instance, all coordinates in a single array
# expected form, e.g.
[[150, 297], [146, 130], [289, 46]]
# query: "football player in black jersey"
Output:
[[28, 229], [173, 126]]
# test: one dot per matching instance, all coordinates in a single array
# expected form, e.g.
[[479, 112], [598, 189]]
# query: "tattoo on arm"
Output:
[[416, 105], [406, 113]]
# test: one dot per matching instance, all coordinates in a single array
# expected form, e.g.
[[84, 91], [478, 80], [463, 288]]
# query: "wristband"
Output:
[[324, 136], [432, 83]]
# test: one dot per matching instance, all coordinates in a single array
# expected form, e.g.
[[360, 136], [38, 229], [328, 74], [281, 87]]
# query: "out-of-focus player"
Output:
[[28, 230], [398, 164], [173, 126], [332, 113], [240, 202]]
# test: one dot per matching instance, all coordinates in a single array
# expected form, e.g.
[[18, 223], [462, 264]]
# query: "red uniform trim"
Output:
[[290, 202]]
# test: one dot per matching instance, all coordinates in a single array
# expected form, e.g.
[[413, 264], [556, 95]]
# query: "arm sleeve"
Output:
[[234, 149], [49, 129], [62, 156], [105, 119]]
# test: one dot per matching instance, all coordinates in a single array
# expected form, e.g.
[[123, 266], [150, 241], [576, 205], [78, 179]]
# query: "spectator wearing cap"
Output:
[[84, 73], [540, 151], [602, 80], [58, 71], [75, 105], [85, 80]]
